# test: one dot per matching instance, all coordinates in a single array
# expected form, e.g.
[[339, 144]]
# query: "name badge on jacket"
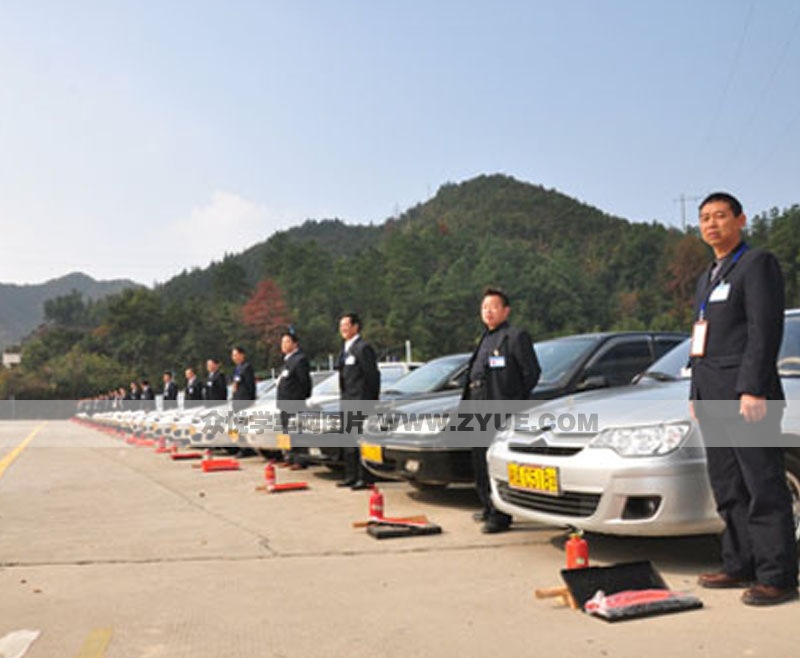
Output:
[[720, 293], [699, 337], [497, 362], [350, 360]]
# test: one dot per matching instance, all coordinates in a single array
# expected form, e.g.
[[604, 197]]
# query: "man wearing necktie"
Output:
[[737, 399], [359, 379]]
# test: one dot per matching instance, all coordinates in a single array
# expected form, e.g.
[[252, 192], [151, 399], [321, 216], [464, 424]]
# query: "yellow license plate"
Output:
[[372, 453], [283, 442], [543, 479]]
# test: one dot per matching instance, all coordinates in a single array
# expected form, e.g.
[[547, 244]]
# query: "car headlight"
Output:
[[644, 440]]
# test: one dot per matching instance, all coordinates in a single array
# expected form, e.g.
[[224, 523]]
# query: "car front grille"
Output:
[[569, 503], [544, 449]]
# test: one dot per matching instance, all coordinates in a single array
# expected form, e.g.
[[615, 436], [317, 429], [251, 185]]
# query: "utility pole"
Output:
[[683, 199]]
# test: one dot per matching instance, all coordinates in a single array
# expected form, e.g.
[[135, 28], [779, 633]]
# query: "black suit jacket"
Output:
[[744, 331], [170, 391], [520, 370], [244, 382], [295, 382], [359, 377], [194, 390], [216, 386]]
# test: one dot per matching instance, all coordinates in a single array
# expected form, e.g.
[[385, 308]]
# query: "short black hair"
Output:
[[292, 333], [491, 291], [240, 349], [733, 203], [353, 317], [168, 372]]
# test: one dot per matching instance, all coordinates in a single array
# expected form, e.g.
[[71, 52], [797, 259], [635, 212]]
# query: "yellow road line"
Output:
[[6, 461], [96, 644]]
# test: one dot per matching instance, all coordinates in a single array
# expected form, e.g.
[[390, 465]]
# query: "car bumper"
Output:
[[418, 463], [603, 492]]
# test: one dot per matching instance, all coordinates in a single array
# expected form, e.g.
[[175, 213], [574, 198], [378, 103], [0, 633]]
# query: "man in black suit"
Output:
[[216, 387], [739, 309], [294, 387], [244, 379], [294, 383], [359, 379], [135, 396], [193, 392], [147, 396], [503, 367], [170, 393]]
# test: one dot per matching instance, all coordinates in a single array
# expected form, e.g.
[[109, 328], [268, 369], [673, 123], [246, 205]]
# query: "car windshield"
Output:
[[329, 386], [558, 357], [789, 356], [671, 366], [674, 364], [265, 389], [431, 376], [390, 374]]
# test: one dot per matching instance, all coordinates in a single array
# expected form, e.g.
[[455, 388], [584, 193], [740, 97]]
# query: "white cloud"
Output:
[[227, 223]]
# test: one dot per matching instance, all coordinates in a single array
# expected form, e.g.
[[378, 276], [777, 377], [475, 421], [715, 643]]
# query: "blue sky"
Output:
[[141, 138]]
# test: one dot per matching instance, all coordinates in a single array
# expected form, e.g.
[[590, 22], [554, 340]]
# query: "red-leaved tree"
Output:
[[266, 315]]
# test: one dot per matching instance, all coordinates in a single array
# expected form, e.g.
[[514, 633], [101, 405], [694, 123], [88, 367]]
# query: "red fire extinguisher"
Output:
[[376, 503], [269, 475], [577, 551]]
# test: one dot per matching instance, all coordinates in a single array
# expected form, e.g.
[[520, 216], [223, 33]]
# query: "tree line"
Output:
[[567, 267]]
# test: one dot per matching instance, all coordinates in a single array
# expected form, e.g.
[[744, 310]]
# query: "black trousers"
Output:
[[353, 468], [752, 497], [483, 488]]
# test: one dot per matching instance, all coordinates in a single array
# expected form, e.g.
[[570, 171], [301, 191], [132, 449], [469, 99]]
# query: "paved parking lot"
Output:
[[116, 551]]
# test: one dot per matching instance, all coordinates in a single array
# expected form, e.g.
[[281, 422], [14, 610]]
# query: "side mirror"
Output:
[[592, 382]]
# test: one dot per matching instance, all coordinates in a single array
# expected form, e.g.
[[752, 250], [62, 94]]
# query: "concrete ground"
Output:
[[116, 551]]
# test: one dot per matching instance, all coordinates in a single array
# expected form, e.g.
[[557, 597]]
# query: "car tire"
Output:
[[793, 481]]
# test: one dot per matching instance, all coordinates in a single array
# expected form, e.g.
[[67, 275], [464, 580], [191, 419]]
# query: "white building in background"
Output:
[[11, 359]]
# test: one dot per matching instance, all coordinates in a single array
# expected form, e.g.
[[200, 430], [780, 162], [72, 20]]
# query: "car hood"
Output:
[[646, 402]]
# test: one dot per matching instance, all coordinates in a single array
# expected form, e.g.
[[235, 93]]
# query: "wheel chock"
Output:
[[382, 530], [419, 519], [283, 486], [214, 465], [186, 455]]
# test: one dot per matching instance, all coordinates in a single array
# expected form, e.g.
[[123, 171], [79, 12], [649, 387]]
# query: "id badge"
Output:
[[497, 362], [720, 293], [699, 336], [350, 360], [284, 373]]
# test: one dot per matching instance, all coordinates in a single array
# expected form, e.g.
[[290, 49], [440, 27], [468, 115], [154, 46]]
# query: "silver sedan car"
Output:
[[628, 461]]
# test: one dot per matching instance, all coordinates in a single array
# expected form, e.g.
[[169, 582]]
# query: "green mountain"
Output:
[[567, 266], [22, 306]]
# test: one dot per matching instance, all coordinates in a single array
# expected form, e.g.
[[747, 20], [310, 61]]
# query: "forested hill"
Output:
[[332, 235], [568, 267], [22, 306]]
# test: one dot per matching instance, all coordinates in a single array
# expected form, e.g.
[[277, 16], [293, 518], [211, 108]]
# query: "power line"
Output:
[[683, 199], [723, 97], [761, 98]]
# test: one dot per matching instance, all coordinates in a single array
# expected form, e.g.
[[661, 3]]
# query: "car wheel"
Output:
[[793, 480], [428, 486]]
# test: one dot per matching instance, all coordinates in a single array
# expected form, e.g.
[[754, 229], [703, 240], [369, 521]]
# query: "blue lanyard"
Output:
[[735, 260]]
